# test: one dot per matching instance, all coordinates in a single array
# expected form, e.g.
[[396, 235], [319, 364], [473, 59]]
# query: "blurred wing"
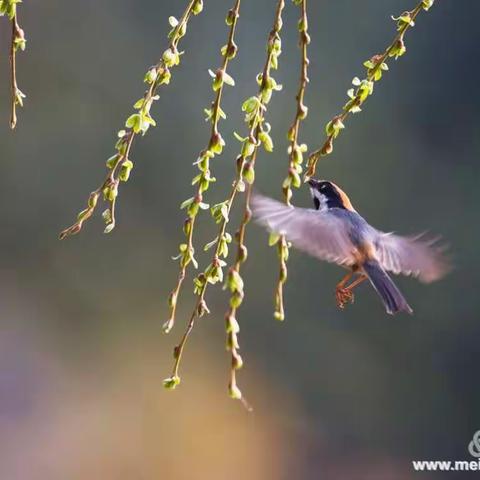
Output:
[[417, 256], [317, 233]]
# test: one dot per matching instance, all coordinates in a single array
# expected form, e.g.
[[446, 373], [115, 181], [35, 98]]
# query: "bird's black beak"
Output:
[[312, 182]]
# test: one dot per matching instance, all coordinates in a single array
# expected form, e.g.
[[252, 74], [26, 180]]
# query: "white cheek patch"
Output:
[[321, 198]]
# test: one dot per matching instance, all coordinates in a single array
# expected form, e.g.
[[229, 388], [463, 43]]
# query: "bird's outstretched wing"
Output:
[[418, 256], [317, 233]]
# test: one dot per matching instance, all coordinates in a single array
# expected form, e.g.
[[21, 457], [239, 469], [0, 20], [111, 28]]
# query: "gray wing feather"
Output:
[[418, 256], [317, 233]]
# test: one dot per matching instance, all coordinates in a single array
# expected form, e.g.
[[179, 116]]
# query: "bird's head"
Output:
[[327, 195]]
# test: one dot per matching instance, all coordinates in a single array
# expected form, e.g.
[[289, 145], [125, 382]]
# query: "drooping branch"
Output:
[[234, 281], [17, 41], [258, 133], [295, 152], [120, 165], [204, 177], [364, 88]]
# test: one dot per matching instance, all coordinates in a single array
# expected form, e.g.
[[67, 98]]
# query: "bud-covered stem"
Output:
[[254, 108], [375, 66], [212, 274], [234, 281], [120, 165], [295, 152], [214, 147], [17, 41]]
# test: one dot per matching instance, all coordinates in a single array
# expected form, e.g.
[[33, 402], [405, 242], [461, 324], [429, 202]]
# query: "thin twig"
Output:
[[120, 165], [255, 108], [374, 66], [17, 41], [234, 280], [295, 151], [204, 178]]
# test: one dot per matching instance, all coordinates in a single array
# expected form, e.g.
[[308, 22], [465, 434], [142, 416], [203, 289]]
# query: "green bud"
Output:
[[171, 382], [237, 361], [170, 58], [296, 180], [83, 214], [187, 203], [266, 95], [164, 77], [251, 104], [232, 341], [112, 161], [327, 148], [125, 170], [228, 79], [134, 122], [267, 141], [92, 200], [234, 392], [404, 20], [234, 281], [236, 299], [217, 79], [248, 149], [172, 300], [110, 193], [231, 51], [242, 253], [107, 216], [168, 325], [197, 7], [109, 228], [273, 239], [231, 17], [231, 324], [151, 76], [302, 25], [217, 143], [398, 49], [249, 173], [427, 4]]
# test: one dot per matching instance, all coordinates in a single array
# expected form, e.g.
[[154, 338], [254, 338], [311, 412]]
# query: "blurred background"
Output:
[[336, 394]]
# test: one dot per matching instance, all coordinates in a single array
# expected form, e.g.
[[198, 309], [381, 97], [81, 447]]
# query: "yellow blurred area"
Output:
[[114, 420]]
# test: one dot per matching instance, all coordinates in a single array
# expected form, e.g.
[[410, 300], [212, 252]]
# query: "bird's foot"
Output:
[[344, 296]]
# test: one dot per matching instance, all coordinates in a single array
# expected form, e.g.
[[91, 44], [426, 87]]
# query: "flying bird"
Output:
[[333, 231]]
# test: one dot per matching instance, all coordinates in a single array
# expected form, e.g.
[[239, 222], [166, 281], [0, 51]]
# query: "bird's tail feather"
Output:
[[391, 296]]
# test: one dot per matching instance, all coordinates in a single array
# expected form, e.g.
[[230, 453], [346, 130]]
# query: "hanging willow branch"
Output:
[[235, 282], [255, 108], [257, 136], [120, 165], [204, 178], [295, 152], [17, 41], [364, 88]]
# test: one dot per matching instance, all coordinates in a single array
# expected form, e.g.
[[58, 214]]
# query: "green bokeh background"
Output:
[[337, 394]]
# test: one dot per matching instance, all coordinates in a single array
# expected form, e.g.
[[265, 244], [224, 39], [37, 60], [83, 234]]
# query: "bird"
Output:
[[333, 231]]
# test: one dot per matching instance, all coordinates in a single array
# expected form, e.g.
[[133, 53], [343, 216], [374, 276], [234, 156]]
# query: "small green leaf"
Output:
[[133, 121], [239, 138], [187, 203], [273, 239], [228, 79], [251, 104]]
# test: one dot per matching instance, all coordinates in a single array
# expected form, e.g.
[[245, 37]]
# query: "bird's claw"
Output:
[[344, 296]]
